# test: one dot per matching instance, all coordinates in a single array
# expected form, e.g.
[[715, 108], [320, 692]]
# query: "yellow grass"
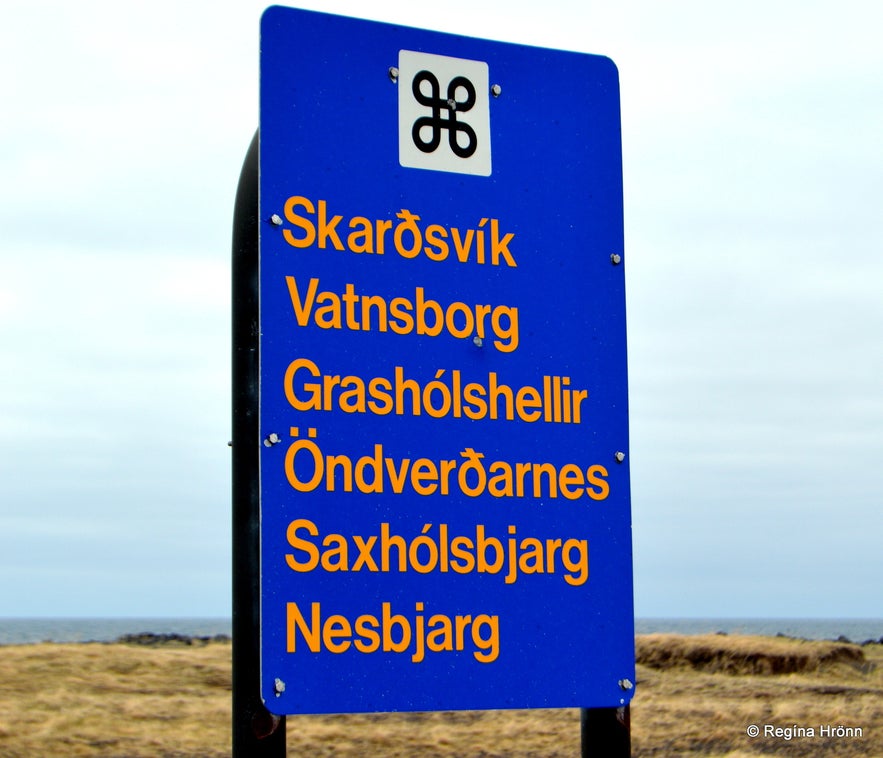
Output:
[[696, 696], [114, 700]]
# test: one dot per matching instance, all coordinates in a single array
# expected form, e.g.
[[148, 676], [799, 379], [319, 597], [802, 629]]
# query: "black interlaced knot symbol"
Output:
[[437, 121]]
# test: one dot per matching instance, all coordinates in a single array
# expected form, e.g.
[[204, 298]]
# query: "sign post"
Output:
[[442, 427], [256, 732]]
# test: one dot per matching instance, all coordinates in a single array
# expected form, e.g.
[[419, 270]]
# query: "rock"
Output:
[[151, 639]]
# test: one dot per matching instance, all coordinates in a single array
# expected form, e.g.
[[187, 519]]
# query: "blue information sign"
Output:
[[445, 509]]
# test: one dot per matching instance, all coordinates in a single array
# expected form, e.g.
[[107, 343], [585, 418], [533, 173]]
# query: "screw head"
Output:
[[272, 439], [625, 684], [619, 456], [393, 73], [477, 341], [278, 686], [616, 259], [496, 90], [276, 219]]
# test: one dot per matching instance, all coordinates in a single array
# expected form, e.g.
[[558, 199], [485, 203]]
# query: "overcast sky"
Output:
[[753, 171]]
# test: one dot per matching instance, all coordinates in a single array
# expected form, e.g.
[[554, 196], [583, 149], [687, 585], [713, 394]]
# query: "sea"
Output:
[[20, 631]]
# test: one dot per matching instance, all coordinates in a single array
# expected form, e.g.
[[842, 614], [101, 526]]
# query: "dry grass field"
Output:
[[696, 696]]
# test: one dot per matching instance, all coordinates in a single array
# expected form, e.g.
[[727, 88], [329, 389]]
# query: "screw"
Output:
[[276, 219], [625, 684], [477, 341], [393, 74], [272, 439], [619, 455], [616, 259], [278, 686], [496, 90]]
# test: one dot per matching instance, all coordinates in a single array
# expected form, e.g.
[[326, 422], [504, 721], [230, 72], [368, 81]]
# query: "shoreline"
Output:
[[158, 631], [719, 639]]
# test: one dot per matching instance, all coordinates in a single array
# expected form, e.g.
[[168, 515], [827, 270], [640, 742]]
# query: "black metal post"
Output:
[[606, 732], [256, 732]]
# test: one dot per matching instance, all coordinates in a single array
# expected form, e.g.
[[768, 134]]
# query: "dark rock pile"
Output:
[[179, 640]]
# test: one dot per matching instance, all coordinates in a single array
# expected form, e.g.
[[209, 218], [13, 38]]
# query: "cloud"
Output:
[[753, 174]]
